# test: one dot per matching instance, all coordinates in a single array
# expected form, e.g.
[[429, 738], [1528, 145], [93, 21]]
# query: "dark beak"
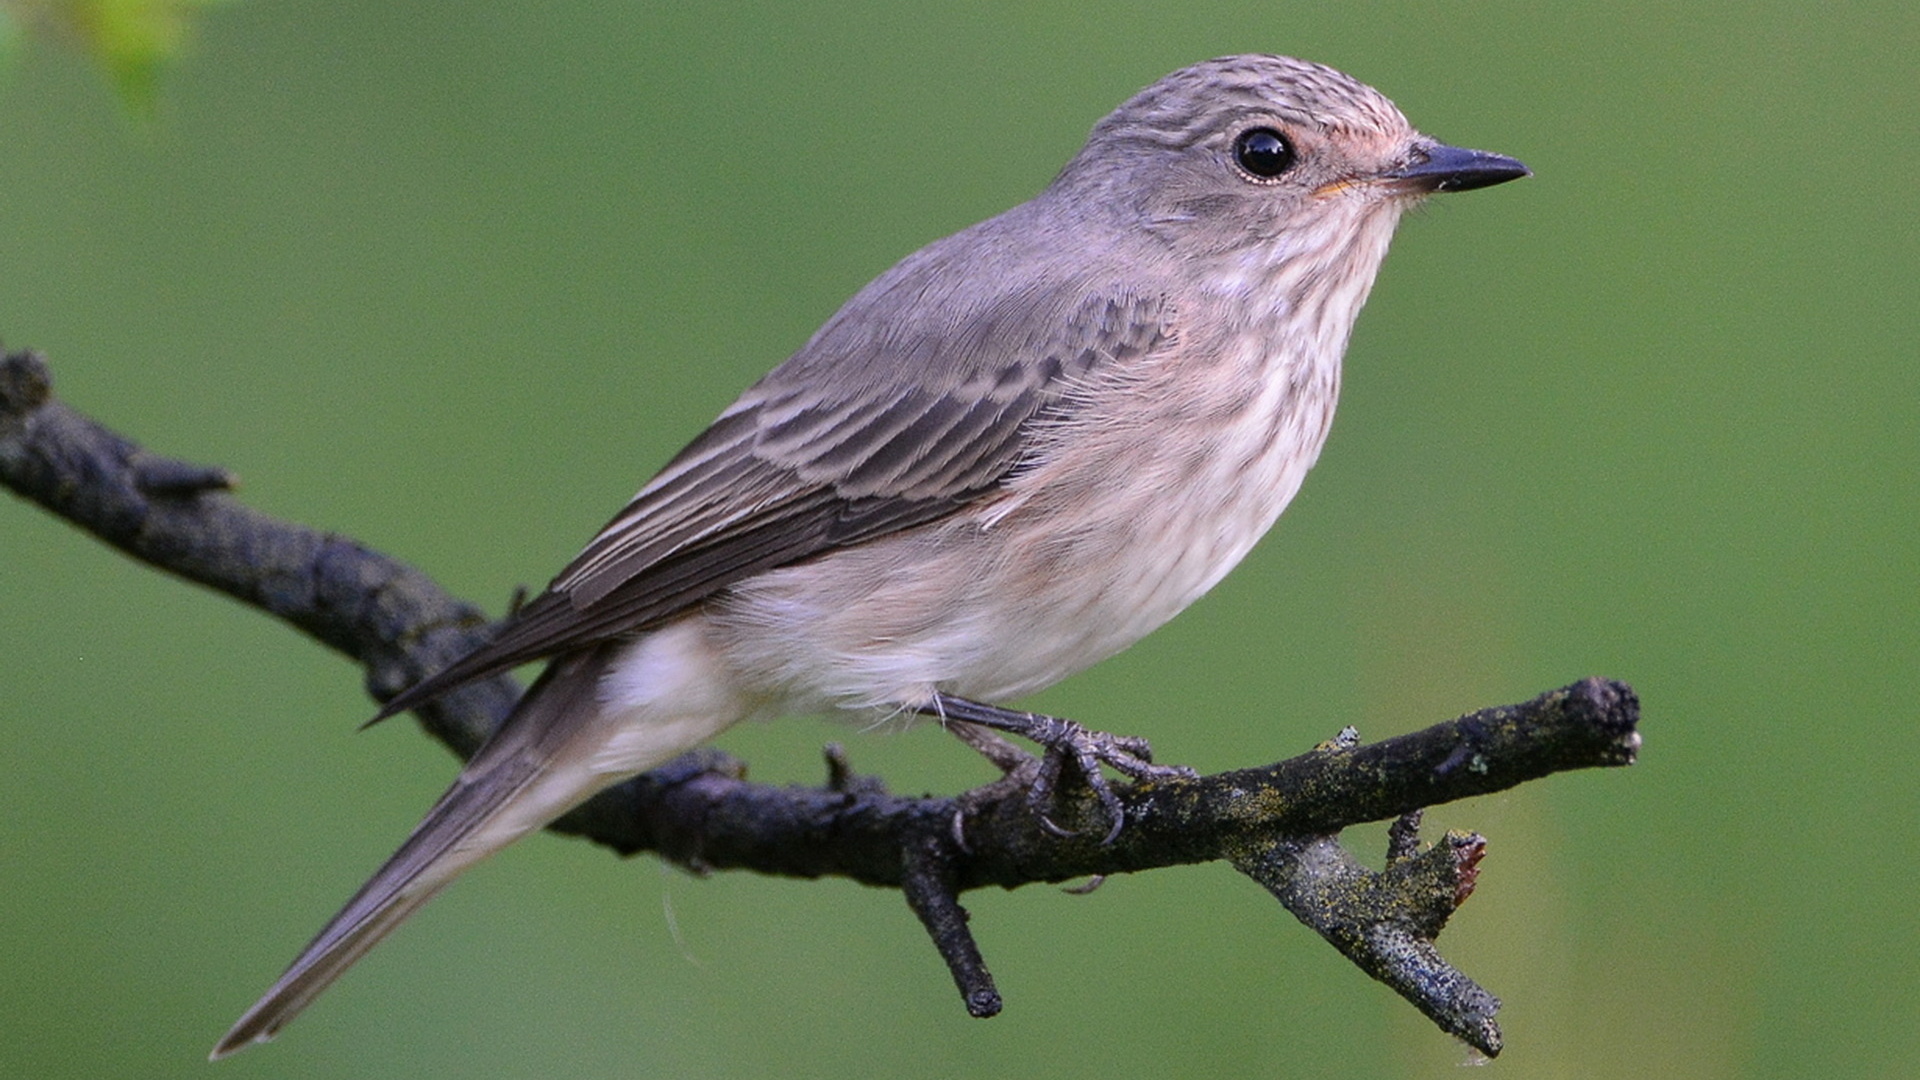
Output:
[[1440, 167]]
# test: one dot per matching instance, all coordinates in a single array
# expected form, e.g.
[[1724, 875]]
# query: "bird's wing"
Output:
[[867, 430]]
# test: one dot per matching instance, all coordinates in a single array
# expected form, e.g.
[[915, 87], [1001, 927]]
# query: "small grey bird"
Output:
[[1009, 457]]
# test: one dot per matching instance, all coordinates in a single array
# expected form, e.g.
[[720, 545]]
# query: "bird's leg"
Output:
[[1019, 771], [1064, 742], [990, 744]]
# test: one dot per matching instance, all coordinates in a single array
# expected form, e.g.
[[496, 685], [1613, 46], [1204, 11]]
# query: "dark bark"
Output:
[[1277, 823]]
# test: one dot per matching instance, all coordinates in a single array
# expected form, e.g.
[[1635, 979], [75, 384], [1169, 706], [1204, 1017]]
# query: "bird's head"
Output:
[[1250, 151]]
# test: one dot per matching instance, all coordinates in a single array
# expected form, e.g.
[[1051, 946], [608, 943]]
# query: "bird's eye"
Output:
[[1263, 152]]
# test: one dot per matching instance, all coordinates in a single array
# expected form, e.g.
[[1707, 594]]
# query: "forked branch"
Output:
[[1278, 823]]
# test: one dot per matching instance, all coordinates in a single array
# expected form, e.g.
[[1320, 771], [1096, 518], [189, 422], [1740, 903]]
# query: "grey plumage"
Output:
[[872, 427], [1008, 457]]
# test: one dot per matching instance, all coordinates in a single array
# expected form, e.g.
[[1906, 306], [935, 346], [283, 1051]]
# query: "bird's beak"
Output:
[[1439, 167]]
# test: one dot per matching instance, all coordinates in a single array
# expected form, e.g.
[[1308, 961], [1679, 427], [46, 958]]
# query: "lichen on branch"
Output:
[[1278, 823]]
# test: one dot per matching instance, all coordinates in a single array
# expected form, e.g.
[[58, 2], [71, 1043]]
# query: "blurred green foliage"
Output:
[[454, 278], [133, 41]]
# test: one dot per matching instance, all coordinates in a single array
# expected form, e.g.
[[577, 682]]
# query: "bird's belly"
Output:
[[994, 606]]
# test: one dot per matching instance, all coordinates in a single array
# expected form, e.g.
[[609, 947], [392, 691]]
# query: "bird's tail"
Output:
[[523, 778]]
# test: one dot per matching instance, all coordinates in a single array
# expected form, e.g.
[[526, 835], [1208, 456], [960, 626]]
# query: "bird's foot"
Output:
[[1066, 744]]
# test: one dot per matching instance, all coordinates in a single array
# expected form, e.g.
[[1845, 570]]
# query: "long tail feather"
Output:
[[499, 797]]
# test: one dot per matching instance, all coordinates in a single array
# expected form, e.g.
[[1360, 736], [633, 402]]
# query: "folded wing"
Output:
[[857, 436]]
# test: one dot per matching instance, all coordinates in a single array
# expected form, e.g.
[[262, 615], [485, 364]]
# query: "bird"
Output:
[[1010, 456]]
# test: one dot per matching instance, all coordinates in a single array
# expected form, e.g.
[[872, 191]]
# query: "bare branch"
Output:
[[1278, 823]]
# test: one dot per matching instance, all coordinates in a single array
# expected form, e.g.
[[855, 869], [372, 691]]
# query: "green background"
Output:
[[453, 278]]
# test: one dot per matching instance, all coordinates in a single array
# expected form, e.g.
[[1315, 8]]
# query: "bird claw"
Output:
[[1066, 741]]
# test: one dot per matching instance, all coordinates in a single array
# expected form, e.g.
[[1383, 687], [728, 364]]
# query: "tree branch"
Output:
[[1278, 823]]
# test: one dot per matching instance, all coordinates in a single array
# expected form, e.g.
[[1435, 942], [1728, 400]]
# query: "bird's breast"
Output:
[[1144, 499], [1212, 458]]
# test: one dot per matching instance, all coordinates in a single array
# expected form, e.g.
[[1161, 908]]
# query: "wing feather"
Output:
[[868, 430]]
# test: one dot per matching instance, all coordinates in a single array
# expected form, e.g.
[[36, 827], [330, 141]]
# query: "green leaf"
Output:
[[133, 41]]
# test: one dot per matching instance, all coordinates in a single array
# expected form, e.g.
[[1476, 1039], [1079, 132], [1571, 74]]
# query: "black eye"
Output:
[[1263, 152]]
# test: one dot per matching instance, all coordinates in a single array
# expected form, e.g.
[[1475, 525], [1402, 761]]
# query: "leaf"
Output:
[[134, 41]]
